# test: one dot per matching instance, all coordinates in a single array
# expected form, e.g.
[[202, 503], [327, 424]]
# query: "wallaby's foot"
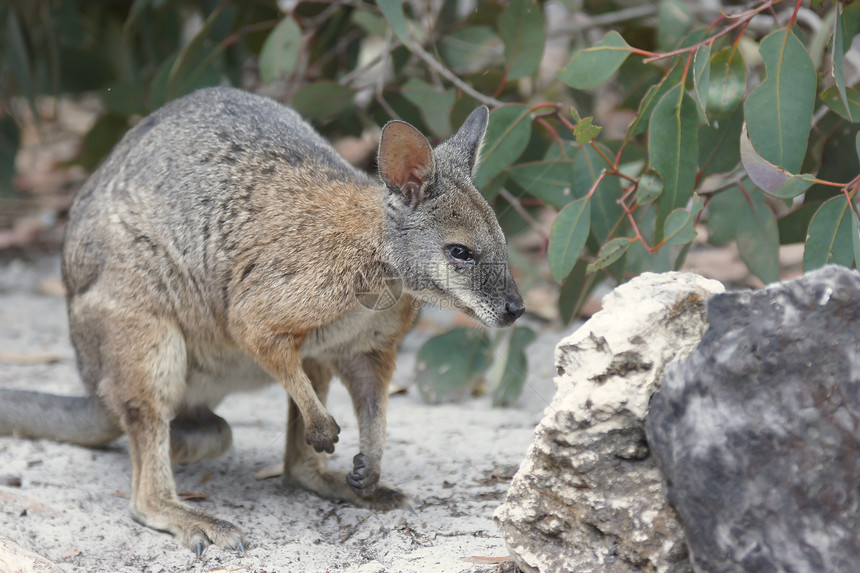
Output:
[[193, 528], [196, 433], [322, 433], [333, 485]]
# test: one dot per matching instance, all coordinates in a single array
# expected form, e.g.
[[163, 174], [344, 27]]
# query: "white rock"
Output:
[[588, 495]]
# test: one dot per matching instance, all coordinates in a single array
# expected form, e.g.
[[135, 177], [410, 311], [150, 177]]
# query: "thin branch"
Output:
[[451, 77], [518, 207]]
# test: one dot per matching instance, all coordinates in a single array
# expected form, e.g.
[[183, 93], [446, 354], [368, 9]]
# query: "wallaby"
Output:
[[224, 245]]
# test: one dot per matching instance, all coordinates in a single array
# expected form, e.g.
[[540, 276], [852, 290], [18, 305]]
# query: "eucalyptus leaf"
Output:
[[449, 365], [322, 100], [510, 376], [832, 98], [837, 57], [567, 238], [829, 238], [590, 67], [701, 80], [610, 252], [280, 52], [673, 148], [727, 82], [549, 180], [522, 30], [434, 104], [773, 179], [393, 12], [508, 134], [779, 111]]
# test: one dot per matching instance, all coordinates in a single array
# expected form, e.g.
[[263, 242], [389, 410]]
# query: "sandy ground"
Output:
[[456, 461]]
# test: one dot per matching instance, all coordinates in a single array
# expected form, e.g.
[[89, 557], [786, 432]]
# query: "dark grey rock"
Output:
[[757, 432], [588, 496]]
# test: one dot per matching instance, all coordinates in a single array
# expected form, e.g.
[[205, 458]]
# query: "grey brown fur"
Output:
[[224, 245]]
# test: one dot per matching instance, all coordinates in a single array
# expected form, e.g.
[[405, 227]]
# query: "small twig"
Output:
[[451, 77], [518, 207]]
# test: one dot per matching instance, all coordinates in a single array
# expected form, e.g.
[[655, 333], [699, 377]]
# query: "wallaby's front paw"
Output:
[[363, 478], [322, 434]]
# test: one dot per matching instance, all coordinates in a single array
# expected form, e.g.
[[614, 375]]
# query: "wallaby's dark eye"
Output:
[[460, 254]]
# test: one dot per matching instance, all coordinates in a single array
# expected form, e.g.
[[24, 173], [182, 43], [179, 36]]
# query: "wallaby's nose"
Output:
[[515, 308]]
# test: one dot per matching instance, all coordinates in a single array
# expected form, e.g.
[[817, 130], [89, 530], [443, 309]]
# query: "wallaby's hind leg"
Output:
[[146, 379], [197, 433], [306, 468]]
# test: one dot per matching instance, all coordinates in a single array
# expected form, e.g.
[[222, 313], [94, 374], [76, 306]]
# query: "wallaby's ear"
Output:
[[467, 141], [406, 160]]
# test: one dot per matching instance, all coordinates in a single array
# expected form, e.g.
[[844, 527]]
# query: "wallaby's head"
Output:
[[442, 237]]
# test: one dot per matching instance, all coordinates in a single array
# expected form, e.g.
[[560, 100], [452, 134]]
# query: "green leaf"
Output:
[[680, 226], [592, 66], [322, 100], [701, 80], [727, 83], [674, 20], [449, 365], [725, 209], [567, 238], [837, 58], [585, 131], [773, 180], [609, 253], [509, 375], [470, 49], [718, 143], [605, 210], [280, 52], [522, 30], [654, 94], [393, 12], [794, 224], [758, 238], [434, 104], [829, 239], [673, 148], [9, 142], [549, 181], [833, 99], [649, 188], [508, 134], [574, 292], [370, 22], [779, 111]]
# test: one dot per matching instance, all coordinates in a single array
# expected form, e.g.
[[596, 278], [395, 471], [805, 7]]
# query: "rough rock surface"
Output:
[[588, 495], [758, 430]]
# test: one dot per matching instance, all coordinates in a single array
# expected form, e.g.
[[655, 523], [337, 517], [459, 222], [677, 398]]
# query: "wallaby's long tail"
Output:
[[73, 419]]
